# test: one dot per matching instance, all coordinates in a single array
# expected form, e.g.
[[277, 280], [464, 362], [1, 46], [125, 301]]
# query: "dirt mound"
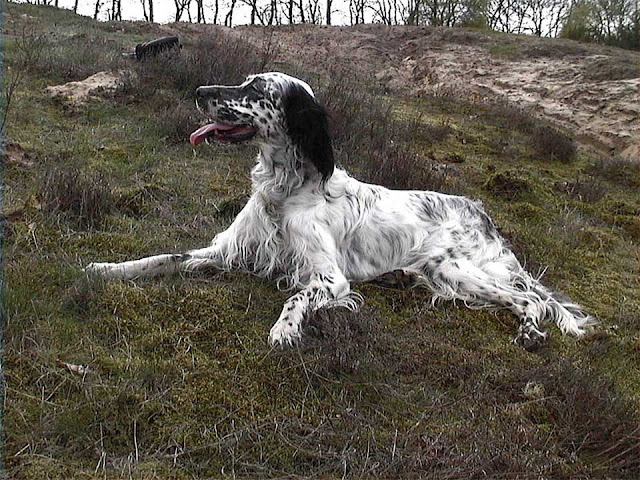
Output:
[[76, 94], [587, 89]]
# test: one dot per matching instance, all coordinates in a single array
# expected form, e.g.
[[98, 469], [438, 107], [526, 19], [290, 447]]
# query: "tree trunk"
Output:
[[228, 20], [144, 10], [272, 13], [201, 16], [329, 2], [97, 9], [301, 5]]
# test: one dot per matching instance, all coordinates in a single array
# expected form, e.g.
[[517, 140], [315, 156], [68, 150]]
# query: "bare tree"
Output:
[[228, 19], [30, 47], [290, 11], [314, 12], [389, 12], [144, 10], [558, 14], [612, 18], [543, 17], [356, 11], [200, 12], [274, 17], [300, 5], [413, 9], [254, 14], [445, 13], [216, 9], [148, 12], [328, 11], [96, 11], [116, 10], [181, 6], [507, 15]]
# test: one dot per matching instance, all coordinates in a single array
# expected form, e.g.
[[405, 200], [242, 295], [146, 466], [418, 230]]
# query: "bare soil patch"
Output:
[[589, 90], [76, 94]]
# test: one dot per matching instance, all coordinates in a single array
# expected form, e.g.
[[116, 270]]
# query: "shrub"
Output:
[[588, 190], [508, 116], [601, 68], [175, 123], [377, 145], [507, 184], [400, 167], [589, 416], [625, 171], [214, 58], [340, 341], [548, 142], [65, 59], [552, 143]]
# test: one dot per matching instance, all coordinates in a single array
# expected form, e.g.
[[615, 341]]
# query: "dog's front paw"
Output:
[[530, 337], [105, 270], [285, 333]]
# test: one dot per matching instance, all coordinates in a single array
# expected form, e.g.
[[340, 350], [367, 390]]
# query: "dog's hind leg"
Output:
[[460, 279], [399, 278], [328, 289]]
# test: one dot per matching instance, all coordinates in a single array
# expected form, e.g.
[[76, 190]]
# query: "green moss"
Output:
[[508, 50], [182, 382], [630, 224], [525, 210], [507, 184]]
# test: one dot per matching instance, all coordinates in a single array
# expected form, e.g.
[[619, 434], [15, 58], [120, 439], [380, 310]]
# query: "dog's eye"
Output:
[[253, 88]]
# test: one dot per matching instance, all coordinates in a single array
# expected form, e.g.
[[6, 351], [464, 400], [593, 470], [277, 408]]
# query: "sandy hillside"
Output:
[[588, 89]]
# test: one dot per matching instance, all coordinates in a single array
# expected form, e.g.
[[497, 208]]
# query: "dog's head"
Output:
[[272, 108]]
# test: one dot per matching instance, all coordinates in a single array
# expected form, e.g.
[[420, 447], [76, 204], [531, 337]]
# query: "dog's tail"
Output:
[[570, 317]]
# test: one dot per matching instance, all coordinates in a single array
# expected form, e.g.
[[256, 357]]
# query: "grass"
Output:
[[181, 382]]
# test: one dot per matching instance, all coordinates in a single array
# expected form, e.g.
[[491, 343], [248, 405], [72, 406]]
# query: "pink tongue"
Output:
[[203, 132]]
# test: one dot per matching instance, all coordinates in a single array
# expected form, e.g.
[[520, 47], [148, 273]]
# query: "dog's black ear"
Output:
[[308, 127]]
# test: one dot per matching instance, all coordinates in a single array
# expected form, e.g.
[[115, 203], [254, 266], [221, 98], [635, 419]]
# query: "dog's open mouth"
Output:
[[223, 133]]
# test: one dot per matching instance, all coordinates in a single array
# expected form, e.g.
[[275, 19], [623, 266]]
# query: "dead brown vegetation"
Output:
[[83, 199]]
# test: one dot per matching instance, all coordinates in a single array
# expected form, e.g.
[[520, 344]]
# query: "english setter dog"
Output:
[[312, 225]]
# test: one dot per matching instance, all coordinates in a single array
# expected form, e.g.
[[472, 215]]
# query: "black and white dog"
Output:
[[313, 226]]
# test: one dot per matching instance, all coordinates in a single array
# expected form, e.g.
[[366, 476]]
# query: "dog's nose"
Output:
[[202, 92]]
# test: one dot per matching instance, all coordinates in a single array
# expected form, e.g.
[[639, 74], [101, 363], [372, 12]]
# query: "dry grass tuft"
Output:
[[83, 199], [590, 417], [507, 184], [177, 122], [380, 148], [214, 58], [551, 143], [340, 341], [588, 190], [621, 170]]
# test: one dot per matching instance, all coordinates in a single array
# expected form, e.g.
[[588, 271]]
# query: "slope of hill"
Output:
[[173, 378], [588, 89]]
